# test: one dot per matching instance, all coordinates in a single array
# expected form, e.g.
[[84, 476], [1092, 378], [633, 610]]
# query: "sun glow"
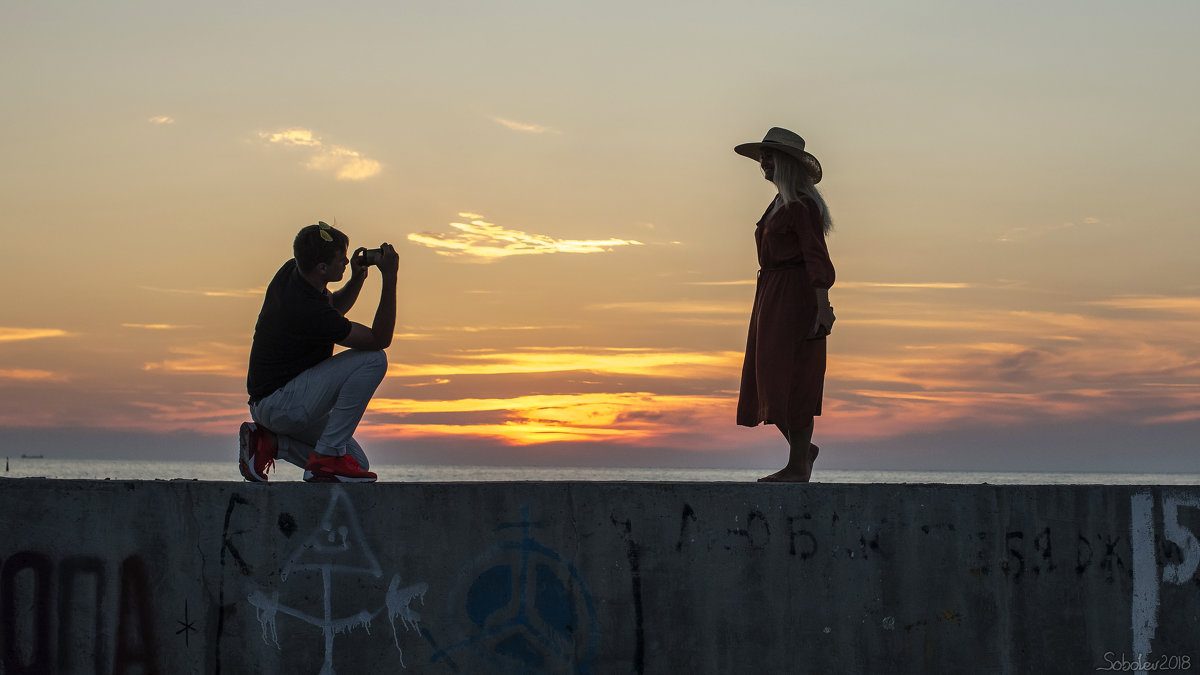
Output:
[[628, 417], [616, 360]]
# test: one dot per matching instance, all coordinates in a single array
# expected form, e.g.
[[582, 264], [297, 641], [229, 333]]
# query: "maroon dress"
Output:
[[784, 373]]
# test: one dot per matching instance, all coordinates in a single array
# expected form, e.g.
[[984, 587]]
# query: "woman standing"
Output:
[[784, 372]]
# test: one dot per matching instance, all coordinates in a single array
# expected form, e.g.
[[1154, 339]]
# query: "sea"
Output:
[[100, 469]]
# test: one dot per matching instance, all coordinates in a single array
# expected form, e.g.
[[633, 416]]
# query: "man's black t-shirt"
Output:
[[296, 330]]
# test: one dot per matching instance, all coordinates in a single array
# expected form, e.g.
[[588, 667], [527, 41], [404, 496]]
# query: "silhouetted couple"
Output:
[[306, 403]]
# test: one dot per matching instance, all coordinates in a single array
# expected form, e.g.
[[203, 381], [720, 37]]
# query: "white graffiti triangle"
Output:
[[336, 544]]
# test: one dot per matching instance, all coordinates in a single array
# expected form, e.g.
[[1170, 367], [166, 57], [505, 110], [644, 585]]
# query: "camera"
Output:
[[372, 256]]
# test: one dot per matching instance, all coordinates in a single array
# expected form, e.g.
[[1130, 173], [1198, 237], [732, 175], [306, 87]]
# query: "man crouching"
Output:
[[305, 401]]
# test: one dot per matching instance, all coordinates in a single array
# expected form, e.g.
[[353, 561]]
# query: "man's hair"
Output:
[[312, 247]]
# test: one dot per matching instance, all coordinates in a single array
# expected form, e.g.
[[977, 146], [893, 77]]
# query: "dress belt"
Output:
[[790, 266]]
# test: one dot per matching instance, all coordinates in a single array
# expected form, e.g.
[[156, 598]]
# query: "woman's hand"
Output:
[[823, 322]]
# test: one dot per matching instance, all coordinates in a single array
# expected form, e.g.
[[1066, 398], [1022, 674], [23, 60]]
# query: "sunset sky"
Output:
[[1014, 186]]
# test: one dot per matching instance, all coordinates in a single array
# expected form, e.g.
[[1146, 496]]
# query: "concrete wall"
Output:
[[189, 577]]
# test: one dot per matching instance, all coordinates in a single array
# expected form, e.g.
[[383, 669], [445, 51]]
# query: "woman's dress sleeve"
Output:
[[806, 218]]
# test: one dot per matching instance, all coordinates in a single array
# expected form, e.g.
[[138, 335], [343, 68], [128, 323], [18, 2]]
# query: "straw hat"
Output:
[[782, 140]]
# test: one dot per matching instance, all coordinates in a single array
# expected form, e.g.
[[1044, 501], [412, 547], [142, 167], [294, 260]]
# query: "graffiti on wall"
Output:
[[520, 607], [790, 534], [336, 546], [514, 602], [1016, 554], [68, 604], [1147, 584]]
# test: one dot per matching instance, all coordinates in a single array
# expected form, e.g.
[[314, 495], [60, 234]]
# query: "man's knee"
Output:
[[366, 358], [374, 361], [378, 358]]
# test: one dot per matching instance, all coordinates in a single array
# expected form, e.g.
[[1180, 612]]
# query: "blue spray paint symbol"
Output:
[[529, 609]]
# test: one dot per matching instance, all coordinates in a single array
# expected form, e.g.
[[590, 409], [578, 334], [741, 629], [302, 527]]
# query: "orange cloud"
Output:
[[342, 162], [20, 334], [1021, 234], [212, 358], [659, 362], [194, 411], [1182, 305], [894, 368], [923, 366], [211, 293], [686, 312], [31, 375], [527, 128], [679, 307], [909, 285], [294, 136], [435, 381]]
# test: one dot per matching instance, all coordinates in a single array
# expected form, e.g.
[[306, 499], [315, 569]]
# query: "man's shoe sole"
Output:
[[310, 477], [246, 454], [246, 473]]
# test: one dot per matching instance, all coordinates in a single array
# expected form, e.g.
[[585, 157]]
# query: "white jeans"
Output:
[[320, 408]]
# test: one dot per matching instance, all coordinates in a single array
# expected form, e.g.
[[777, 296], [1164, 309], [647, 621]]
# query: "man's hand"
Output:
[[379, 335], [389, 261], [358, 269]]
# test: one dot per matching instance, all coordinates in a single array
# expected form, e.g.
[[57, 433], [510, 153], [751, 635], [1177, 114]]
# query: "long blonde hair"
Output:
[[794, 185]]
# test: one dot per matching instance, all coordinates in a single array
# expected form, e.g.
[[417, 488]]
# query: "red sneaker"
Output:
[[257, 452], [336, 469]]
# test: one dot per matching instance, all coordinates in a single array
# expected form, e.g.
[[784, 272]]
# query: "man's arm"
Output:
[[379, 335], [345, 297]]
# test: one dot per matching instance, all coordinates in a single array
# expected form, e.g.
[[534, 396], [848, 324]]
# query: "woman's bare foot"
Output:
[[788, 474], [785, 475]]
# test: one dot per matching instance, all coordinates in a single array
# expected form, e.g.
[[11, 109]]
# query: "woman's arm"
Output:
[[820, 270]]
